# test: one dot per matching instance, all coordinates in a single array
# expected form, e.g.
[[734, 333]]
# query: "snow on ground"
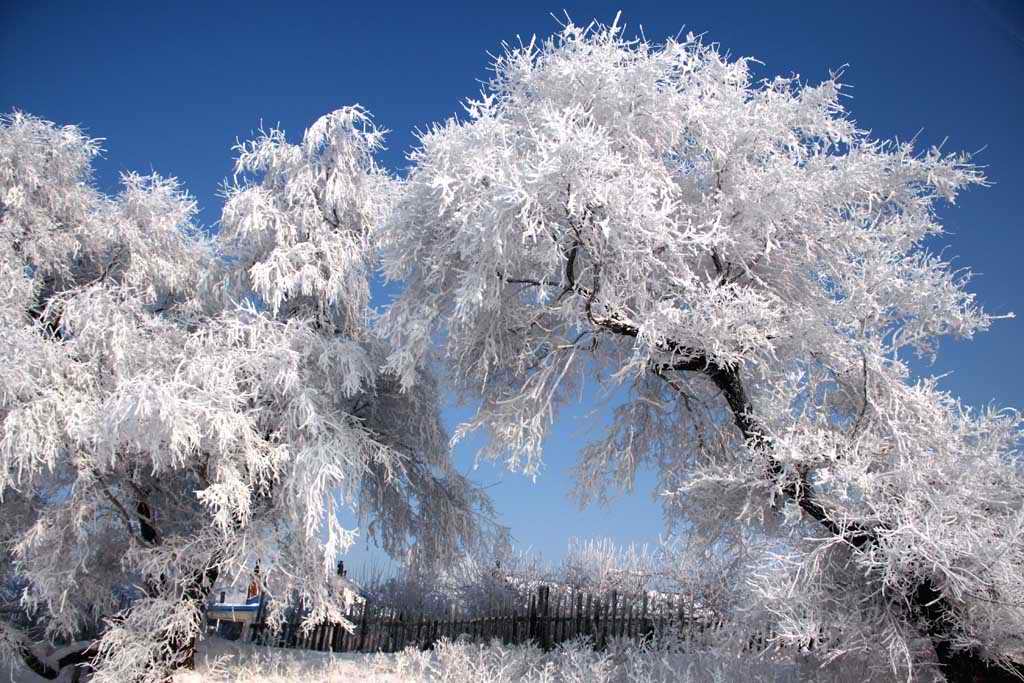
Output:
[[10, 673], [223, 661], [464, 662], [237, 662], [220, 660]]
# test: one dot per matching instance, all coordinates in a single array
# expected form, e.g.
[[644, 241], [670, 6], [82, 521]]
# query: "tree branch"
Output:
[[927, 602], [23, 645], [526, 281]]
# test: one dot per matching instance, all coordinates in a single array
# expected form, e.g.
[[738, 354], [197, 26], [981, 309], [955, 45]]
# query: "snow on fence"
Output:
[[545, 621]]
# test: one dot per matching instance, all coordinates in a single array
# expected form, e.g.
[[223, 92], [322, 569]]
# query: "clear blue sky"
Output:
[[172, 85]]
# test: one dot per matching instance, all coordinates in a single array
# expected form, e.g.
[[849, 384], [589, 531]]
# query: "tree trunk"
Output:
[[967, 666], [78, 654], [195, 590], [959, 666], [35, 664], [927, 604]]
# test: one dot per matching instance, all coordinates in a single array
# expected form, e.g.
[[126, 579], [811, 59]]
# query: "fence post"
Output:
[[615, 611], [293, 636], [362, 627], [687, 617], [604, 623], [531, 625], [546, 619], [579, 616], [389, 633], [588, 621], [692, 615], [643, 617], [257, 624], [660, 620], [556, 623]]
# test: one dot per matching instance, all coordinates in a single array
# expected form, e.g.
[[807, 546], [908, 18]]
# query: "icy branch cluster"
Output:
[[748, 268], [175, 407], [735, 262]]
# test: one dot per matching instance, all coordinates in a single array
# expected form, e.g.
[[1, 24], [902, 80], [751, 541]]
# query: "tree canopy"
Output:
[[176, 407], [737, 260], [751, 269]]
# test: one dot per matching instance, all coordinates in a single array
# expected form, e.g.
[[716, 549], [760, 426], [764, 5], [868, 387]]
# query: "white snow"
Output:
[[219, 659]]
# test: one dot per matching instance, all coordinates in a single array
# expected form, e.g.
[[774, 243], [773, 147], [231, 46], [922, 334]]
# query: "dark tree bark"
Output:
[[194, 590], [928, 606], [81, 657], [36, 665], [82, 660]]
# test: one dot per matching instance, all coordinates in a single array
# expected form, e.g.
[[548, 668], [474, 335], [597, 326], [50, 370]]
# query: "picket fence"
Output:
[[545, 621]]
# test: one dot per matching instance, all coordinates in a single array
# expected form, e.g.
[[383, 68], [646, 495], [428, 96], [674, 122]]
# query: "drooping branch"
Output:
[[21, 644], [642, 217], [927, 602], [195, 590], [146, 523], [727, 379]]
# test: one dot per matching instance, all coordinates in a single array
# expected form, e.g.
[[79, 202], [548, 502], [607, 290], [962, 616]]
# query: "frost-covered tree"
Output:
[[174, 408], [748, 269], [298, 233], [601, 566], [477, 584], [502, 578]]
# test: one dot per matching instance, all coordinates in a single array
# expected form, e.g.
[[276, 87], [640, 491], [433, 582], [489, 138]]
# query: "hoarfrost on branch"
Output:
[[176, 407], [750, 267]]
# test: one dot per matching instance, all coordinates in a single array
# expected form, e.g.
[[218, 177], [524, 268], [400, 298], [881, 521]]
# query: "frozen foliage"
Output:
[[622, 661], [297, 232], [175, 408], [711, 582], [676, 573], [475, 584], [600, 565], [221, 661], [749, 266]]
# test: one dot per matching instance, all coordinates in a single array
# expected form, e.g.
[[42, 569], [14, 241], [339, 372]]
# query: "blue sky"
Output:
[[172, 85]]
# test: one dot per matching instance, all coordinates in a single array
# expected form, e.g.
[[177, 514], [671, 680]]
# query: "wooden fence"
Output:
[[546, 620]]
